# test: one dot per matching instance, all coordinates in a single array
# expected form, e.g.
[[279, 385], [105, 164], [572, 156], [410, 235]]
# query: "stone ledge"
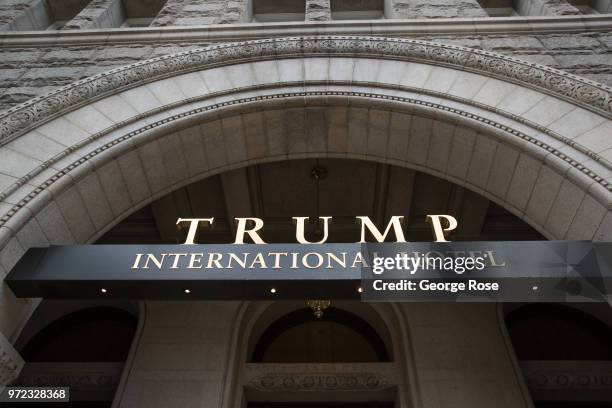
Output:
[[230, 32]]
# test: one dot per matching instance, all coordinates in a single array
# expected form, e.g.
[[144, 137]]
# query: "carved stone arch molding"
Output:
[[75, 162]]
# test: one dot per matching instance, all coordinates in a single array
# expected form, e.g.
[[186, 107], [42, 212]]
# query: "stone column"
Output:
[[545, 8], [435, 9], [11, 362], [318, 10], [98, 14]]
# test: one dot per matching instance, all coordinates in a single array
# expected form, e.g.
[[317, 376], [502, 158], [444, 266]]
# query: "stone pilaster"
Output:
[[24, 15], [198, 12], [545, 8], [10, 9], [98, 14], [436, 9], [11, 362], [318, 10], [169, 12]]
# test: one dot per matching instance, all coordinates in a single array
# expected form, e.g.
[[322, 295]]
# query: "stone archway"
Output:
[[75, 162], [246, 381]]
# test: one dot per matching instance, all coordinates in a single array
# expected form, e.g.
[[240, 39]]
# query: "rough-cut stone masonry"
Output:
[[545, 7], [318, 10], [197, 12], [9, 9], [105, 13], [437, 9], [29, 72], [98, 14]]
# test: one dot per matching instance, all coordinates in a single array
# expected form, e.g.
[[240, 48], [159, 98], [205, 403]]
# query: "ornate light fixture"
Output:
[[318, 306]]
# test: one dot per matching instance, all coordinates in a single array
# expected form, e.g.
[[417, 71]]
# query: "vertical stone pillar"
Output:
[[318, 10], [437, 333], [12, 9], [98, 14], [24, 15], [11, 362], [545, 8], [169, 13], [199, 12], [435, 9], [212, 324]]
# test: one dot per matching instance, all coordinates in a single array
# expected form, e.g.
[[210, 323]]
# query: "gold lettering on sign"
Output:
[[193, 227], [395, 223], [251, 226], [252, 233], [441, 224], [300, 234]]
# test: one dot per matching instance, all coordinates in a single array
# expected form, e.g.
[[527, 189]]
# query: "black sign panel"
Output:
[[456, 271]]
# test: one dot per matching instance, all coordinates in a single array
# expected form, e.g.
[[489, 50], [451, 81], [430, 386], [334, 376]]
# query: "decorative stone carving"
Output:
[[588, 94], [561, 375], [11, 362], [317, 377], [98, 14], [77, 376], [311, 382]]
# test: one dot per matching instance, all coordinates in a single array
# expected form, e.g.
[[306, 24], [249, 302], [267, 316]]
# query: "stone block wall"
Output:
[[10, 9], [196, 12], [545, 8], [98, 14], [26, 72], [109, 13], [436, 9], [318, 10]]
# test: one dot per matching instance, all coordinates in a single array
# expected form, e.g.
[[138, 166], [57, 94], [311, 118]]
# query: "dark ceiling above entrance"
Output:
[[330, 187]]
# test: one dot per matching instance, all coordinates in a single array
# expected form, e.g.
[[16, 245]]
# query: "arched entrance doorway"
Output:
[[118, 141], [342, 358], [278, 190], [336, 336]]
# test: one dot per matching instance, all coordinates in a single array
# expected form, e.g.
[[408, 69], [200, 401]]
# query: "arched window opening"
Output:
[[565, 354], [557, 332], [338, 336], [102, 334], [84, 350]]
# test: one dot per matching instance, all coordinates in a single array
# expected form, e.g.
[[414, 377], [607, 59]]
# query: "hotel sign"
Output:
[[399, 271], [486, 271]]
